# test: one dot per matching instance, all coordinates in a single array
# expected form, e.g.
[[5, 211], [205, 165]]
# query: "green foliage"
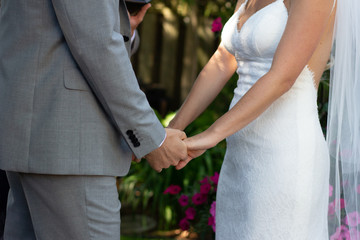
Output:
[[141, 191], [211, 9], [140, 238]]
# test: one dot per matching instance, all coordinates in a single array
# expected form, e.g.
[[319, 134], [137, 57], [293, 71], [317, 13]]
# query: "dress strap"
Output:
[[332, 7]]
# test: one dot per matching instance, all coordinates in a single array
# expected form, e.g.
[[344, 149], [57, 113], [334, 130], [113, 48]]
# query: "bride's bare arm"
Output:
[[306, 23], [238, 4], [207, 86]]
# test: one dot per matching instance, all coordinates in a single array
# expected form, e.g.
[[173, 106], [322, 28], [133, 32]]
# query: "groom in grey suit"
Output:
[[71, 117]]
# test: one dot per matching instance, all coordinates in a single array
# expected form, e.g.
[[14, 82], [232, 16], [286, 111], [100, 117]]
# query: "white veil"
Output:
[[343, 134]]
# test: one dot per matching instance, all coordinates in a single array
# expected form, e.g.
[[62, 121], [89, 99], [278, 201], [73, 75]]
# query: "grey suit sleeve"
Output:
[[92, 31]]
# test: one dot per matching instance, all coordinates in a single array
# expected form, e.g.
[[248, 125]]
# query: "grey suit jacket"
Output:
[[69, 99]]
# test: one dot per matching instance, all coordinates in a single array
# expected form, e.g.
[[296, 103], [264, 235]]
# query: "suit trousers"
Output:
[[58, 207]]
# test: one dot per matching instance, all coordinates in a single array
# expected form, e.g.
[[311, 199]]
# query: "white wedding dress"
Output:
[[274, 180]]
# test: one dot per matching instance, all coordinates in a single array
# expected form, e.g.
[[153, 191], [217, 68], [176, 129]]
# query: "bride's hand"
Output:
[[196, 146]]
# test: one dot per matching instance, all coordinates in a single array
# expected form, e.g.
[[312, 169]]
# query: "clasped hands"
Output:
[[177, 150]]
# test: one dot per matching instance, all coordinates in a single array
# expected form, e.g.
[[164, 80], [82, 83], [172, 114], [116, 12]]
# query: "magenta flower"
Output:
[[205, 188], [204, 181], [215, 178], [352, 219], [213, 209], [344, 233], [331, 208], [212, 223], [183, 200], [190, 213], [216, 26], [173, 190], [342, 203], [330, 190], [199, 199], [184, 224], [354, 233], [333, 204], [336, 235], [341, 233]]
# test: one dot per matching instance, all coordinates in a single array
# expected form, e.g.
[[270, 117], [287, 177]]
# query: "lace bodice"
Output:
[[254, 45], [259, 36]]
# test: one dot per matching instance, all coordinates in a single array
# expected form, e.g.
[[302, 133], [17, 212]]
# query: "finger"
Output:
[[184, 152], [167, 165], [182, 164], [188, 143], [182, 135], [135, 159], [143, 11], [175, 162], [145, 8]]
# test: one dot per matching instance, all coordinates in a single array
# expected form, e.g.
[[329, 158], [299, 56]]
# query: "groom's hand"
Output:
[[171, 151], [136, 19]]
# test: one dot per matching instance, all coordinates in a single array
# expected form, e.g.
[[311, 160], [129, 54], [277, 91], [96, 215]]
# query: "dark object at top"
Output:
[[134, 6]]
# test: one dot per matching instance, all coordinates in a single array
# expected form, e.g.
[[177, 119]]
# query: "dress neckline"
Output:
[[242, 9]]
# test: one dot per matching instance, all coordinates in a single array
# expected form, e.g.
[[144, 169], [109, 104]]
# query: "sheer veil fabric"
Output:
[[343, 135]]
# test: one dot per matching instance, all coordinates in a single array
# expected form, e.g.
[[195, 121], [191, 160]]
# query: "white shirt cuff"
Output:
[[163, 141], [133, 36]]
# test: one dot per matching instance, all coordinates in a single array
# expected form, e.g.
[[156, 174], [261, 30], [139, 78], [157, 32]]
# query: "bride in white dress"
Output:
[[274, 181]]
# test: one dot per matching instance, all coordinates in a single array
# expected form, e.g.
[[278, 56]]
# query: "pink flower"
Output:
[[216, 26], [199, 199], [213, 209], [183, 200], [215, 178], [344, 233], [173, 190], [355, 234], [212, 223], [352, 219], [333, 204], [331, 208], [205, 188], [204, 181], [336, 235], [341, 233], [342, 203], [190, 213], [330, 190], [184, 224]]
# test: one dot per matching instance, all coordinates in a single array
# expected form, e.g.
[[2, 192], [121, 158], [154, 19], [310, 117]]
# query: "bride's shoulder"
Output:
[[238, 4]]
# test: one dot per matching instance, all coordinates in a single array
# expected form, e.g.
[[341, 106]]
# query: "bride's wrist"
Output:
[[213, 138], [174, 124]]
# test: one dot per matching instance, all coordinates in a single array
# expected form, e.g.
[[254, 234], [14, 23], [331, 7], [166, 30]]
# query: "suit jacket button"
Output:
[[136, 144], [126, 38], [129, 132]]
